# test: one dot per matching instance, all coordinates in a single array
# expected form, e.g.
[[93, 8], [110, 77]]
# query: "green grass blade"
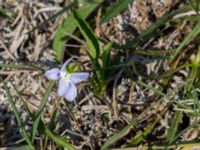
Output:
[[147, 130], [150, 127], [119, 135], [151, 31], [193, 125], [59, 140], [45, 98], [194, 73], [51, 124], [106, 54], [133, 123], [89, 36], [174, 127], [69, 26], [192, 34], [127, 129], [7, 13], [22, 147], [196, 105], [18, 66], [38, 114], [163, 53], [23, 101], [182, 145], [195, 5], [151, 88], [17, 115], [115, 10], [70, 6]]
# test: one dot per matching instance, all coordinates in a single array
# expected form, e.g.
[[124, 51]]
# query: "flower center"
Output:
[[72, 67]]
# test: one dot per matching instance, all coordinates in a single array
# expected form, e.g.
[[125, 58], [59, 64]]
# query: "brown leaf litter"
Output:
[[94, 121]]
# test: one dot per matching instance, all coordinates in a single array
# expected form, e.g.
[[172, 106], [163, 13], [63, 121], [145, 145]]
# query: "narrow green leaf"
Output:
[[23, 101], [18, 66], [38, 114], [66, 8], [23, 147], [153, 29], [119, 135], [195, 5], [178, 135], [106, 54], [147, 130], [151, 88], [134, 123], [194, 73], [61, 141], [45, 98], [7, 13], [51, 124], [192, 34], [174, 126], [17, 115], [115, 10], [181, 145], [89, 36], [69, 26], [196, 105], [163, 53]]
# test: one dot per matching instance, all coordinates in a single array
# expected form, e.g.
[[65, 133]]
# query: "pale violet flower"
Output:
[[67, 80]]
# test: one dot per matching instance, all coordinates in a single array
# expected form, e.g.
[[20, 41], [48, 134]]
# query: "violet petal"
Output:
[[78, 77], [63, 68], [71, 93], [53, 74], [63, 86]]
